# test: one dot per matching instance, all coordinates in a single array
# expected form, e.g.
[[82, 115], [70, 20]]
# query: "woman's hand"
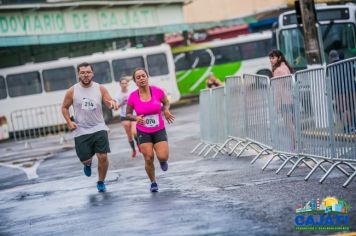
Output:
[[169, 117], [139, 119]]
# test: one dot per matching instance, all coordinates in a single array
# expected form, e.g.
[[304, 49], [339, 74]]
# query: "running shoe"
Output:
[[133, 155], [87, 170], [101, 186], [164, 165], [154, 187]]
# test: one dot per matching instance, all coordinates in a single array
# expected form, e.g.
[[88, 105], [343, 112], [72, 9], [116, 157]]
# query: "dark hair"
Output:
[[281, 58], [137, 69], [84, 64]]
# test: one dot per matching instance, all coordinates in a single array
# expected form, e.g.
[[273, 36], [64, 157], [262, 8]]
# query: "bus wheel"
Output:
[[107, 113], [265, 72]]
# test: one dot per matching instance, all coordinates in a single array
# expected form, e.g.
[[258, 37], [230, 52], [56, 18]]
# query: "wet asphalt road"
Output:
[[197, 196]]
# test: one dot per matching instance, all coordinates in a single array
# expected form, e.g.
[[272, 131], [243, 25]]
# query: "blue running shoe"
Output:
[[154, 187], [87, 170], [101, 186], [164, 165]]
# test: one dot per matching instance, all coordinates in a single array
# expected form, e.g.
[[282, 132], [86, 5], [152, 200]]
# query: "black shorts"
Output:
[[154, 138], [89, 144]]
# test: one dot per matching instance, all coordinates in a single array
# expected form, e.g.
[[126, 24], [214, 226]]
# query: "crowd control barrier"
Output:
[[33, 123], [308, 118]]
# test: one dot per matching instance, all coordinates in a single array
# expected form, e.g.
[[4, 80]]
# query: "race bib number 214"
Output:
[[88, 104]]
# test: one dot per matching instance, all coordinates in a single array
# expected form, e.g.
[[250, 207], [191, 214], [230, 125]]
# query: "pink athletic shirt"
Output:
[[151, 110]]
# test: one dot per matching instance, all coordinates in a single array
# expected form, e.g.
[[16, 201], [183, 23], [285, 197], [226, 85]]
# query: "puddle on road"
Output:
[[30, 196]]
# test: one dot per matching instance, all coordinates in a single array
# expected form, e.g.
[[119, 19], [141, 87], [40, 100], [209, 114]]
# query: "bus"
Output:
[[39, 85], [243, 54], [336, 31]]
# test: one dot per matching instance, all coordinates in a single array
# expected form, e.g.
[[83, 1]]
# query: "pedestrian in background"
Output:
[[90, 130], [279, 64], [283, 94], [212, 81], [128, 125], [147, 102]]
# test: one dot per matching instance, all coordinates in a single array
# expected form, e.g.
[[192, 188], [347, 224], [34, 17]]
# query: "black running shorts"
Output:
[[154, 138], [89, 144]]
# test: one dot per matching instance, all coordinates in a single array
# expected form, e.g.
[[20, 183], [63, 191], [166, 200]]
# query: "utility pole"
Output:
[[311, 42]]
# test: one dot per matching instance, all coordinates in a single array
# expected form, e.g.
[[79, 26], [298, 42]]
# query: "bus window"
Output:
[[157, 64], [227, 54], [102, 73], [202, 57], [291, 43], [340, 37], [125, 67], [181, 61], [24, 84], [256, 49], [2, 88], [59, 78]]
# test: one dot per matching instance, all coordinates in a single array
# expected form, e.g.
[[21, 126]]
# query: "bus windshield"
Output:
[[337, 36]]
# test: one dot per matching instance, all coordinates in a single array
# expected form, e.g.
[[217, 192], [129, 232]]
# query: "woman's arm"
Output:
[[167, 114]]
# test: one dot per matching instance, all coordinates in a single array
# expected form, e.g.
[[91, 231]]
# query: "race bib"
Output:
[[88, 105], [151, 121]]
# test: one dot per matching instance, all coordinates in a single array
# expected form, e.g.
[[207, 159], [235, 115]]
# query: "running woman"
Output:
[[147, 102], [90, 130], [127, 124]]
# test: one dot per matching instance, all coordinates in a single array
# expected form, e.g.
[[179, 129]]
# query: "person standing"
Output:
[[90, 130], [283, 94], [128, 125], [147, 102], [280, 65]]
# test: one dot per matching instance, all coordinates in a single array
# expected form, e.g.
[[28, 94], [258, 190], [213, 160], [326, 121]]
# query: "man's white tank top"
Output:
[[88, 112]]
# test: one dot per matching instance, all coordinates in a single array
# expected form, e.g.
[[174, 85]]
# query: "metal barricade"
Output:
[[307, 116], [32, 123], [213, 128], [312, 113], [205, 121], [283, 113], [235, 116], [235, 107], [341, 81], [218, 115], [257, 103], [217, 118]]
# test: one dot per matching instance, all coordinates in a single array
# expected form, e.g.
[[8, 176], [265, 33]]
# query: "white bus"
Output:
[[336, 31], [243, 54], [32, 87]]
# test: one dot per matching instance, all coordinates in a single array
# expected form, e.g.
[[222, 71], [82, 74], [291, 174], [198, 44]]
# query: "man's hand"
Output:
[[72, 126], [169, 117], [114, 105]]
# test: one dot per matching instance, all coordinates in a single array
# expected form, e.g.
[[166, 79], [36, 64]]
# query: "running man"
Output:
[[127, 124], [147, 102], [90, 130]]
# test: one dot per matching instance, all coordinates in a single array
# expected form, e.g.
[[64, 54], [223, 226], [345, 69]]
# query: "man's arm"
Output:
[[67, 102], [107, 99]]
